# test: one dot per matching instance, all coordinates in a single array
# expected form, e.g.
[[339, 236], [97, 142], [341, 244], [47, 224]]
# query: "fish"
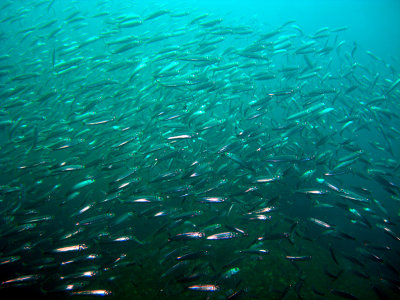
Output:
[[343, 294], [393, 86], [156, 14], [298, 258], [204, 288], [190, 150], [187, 236], [222, 236], [92, 293]]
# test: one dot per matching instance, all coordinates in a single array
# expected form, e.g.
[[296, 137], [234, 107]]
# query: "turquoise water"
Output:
[[372, 24], [199, 149]]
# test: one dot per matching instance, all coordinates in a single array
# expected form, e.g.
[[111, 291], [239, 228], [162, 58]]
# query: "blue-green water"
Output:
[[205, 150]]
